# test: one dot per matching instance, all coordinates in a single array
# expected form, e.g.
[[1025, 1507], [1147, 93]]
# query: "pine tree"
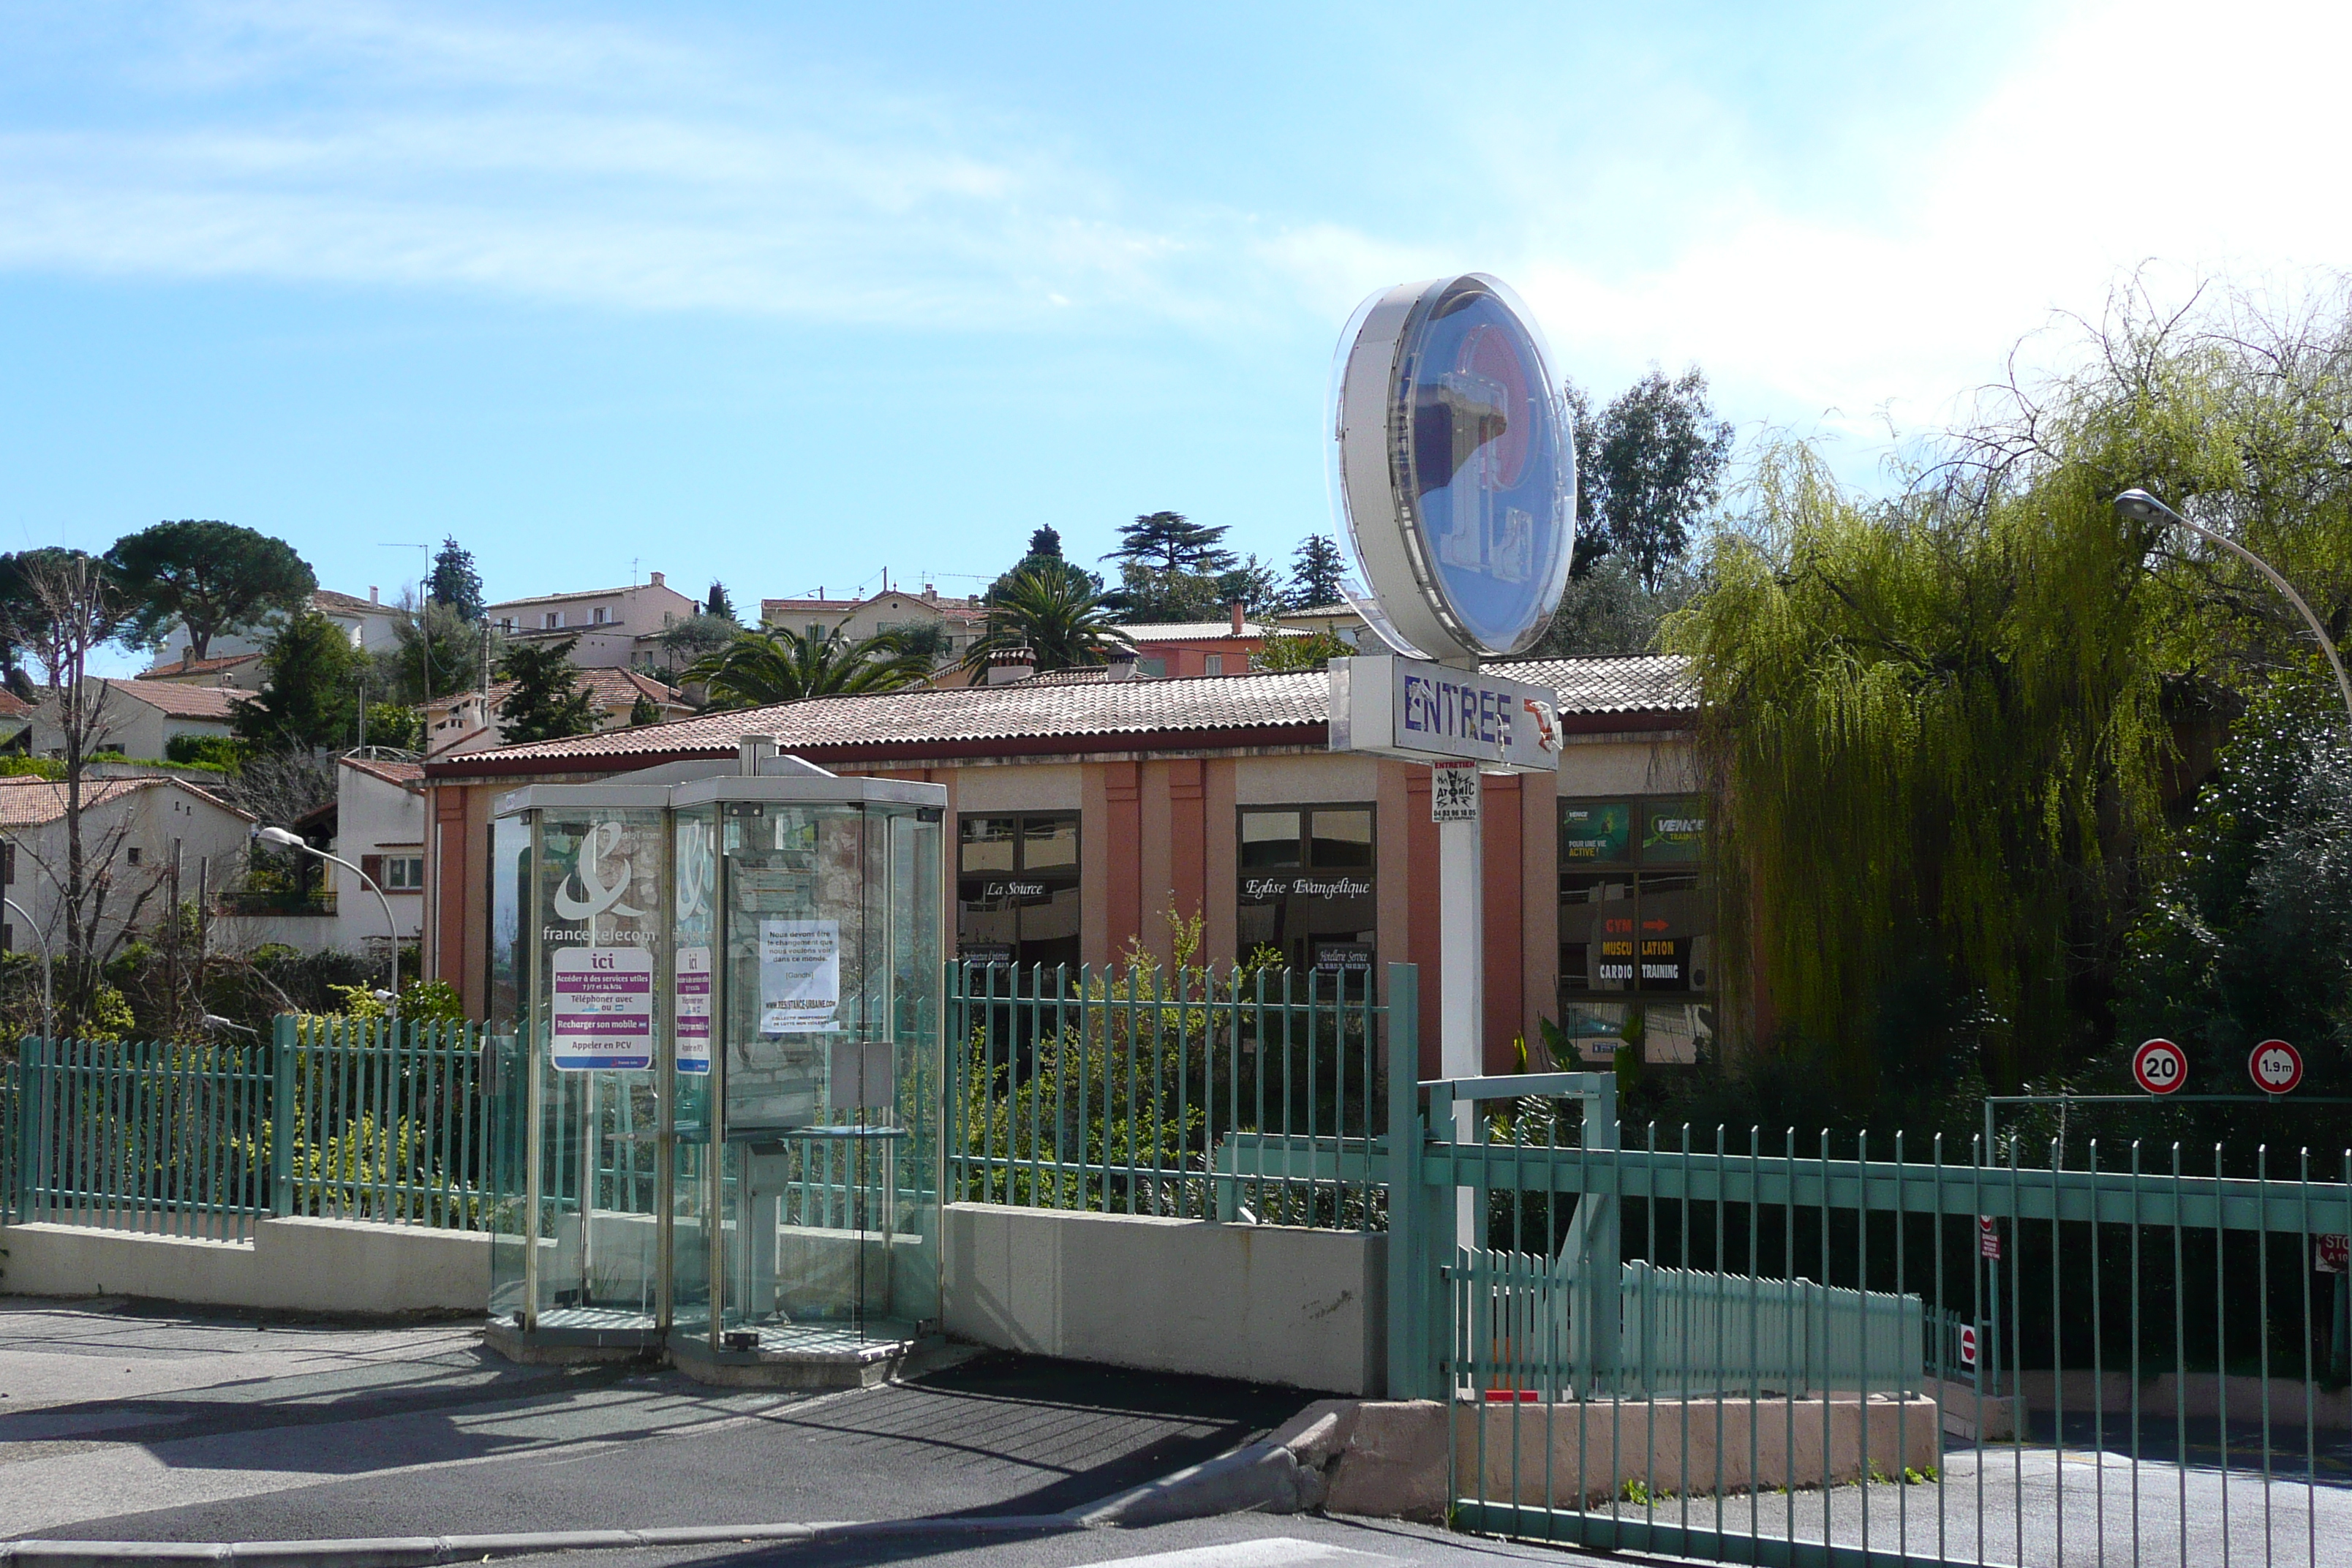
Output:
[[1315, 569], [547, 702], [455, 583], [1168, 542]]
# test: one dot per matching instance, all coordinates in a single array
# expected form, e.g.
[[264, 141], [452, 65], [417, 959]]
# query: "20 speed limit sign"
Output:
[[2160, 1067], [2275, 1067]]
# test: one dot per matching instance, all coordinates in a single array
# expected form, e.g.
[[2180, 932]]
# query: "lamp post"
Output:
[[2142, 506], [280, 839], [48, 999]]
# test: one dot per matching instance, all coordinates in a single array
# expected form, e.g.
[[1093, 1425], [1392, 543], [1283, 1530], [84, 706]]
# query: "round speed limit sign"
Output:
[[2275, 1067], [2160, 1067]]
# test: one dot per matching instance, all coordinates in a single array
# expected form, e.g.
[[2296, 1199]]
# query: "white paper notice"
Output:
[[800, 975]]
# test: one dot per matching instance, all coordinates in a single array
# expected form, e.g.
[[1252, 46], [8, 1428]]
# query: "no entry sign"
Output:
[[2160, 1067], [2275, 1067], [1968, 1344]]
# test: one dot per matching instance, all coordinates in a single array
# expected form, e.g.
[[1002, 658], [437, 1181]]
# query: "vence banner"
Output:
[[1422, 711]]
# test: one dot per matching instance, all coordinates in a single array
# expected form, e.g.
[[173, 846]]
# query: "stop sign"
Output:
[[2275, 1067], [2160, 1067]]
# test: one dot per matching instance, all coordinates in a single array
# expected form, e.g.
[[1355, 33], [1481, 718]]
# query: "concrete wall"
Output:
[[294, 1265], [1268, 1303]]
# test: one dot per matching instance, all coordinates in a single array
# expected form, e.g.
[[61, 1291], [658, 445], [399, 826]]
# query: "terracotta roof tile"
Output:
[[182, 702], [1099, 712], [407, 775], [26, 802], [179, 669]]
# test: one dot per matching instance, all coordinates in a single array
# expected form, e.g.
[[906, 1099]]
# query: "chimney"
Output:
[[657, 580], [1122, 664], [1237, 617], [1007, 664], [753, 750], [374, 597]]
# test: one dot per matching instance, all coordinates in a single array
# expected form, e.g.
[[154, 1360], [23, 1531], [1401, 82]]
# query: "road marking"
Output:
[[1277, 1551]]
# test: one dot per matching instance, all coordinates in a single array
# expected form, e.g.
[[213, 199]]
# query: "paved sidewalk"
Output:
[[122, 1423]]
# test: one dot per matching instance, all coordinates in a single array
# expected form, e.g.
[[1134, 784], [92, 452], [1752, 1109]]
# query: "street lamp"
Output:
[[2142, 506], [280, 839], [48, 1000]]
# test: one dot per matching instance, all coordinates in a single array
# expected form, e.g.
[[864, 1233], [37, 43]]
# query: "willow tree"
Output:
[[1944, 728], [1931, 722]]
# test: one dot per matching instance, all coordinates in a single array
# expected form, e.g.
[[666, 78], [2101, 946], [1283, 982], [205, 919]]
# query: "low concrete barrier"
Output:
[[1306, 1309], [1390, 1459], [290, 1265]]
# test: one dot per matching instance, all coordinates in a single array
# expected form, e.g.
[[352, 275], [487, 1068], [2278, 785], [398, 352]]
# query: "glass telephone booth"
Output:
[[722, 988]]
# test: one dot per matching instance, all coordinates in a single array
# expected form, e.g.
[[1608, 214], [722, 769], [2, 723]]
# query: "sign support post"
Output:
[[1453, 465]]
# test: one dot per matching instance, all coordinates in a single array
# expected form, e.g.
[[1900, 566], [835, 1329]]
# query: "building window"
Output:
[[131, 855], [1017, 888], [1212, 663], [553, 621], [403, 873], [599, 616], [1636, 928], [7, 862], [507, 624], [1306, 887]]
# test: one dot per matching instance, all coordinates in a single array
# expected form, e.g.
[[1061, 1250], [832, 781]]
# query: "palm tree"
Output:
[[760, 668], [1063, 621]]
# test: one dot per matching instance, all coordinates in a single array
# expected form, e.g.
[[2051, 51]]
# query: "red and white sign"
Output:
[[2332, 1253], [2160, 1067], [2275, 1067], [1987, 1237], [1968, 1344]]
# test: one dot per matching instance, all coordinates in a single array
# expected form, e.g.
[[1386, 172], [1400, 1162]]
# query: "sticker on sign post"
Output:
[[2160, 1067], [2275, 1067], [1452, 791], [603, 1012], [1987, 1237], [693, 993]]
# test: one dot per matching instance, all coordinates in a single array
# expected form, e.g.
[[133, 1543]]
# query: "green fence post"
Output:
[[32, 1117], [1408, 1288], [282, 1047]]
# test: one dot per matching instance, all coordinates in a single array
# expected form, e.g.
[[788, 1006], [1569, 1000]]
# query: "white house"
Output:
[[139, 718], [135, 832], [615, 627], [367, 622], [959, 620], [378, 826]]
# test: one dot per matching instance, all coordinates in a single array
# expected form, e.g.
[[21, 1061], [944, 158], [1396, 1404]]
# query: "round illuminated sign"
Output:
[[1456, 466]]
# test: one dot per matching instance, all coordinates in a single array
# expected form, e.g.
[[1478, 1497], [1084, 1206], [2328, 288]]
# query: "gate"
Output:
[[1781, 1349]]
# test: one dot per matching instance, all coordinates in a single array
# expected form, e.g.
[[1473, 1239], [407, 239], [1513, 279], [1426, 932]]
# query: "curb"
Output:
[[429, 1550]]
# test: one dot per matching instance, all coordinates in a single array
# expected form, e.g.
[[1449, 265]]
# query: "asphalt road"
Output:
[[118, 1424]]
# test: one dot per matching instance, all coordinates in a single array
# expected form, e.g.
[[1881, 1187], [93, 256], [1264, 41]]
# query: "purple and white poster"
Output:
[[603, 1007], [693, 1009]]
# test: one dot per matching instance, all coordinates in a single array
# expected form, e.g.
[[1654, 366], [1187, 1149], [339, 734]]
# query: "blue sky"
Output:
[[786, 296]]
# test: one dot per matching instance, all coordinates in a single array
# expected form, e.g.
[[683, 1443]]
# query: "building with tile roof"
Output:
[[610, 628], [469, 722], [139, 832], [141, 718], [367, 622], [1087, 809]]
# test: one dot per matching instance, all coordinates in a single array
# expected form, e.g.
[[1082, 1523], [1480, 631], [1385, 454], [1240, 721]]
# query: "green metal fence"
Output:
[[345, 1118], [2128, 1352], [1251, 1094]]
